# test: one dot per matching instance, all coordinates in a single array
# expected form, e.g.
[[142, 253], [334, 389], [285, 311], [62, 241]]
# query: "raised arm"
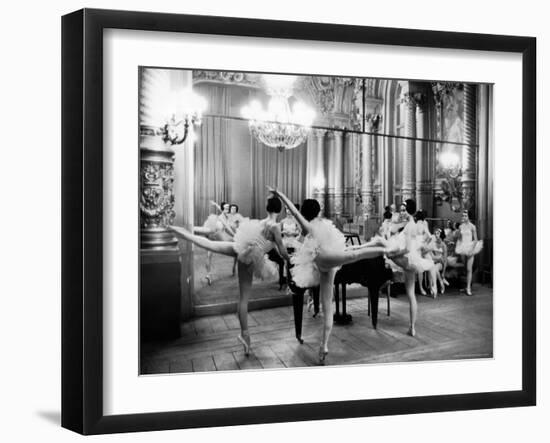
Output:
[[297, 215], [213, 203]]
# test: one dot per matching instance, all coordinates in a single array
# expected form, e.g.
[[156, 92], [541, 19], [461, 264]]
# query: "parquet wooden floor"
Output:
[[450, 327]]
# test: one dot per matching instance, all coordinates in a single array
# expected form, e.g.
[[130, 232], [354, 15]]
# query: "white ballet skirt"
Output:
[[252, 247], [323, 236], [214, 224], [466, 245], [412, 260], [468, 248]]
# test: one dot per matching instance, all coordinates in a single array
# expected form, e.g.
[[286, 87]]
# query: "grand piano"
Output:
[[371, 273]]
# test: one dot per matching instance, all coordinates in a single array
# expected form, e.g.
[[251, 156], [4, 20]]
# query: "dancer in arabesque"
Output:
[[323, 252], [216, 227], [250, 245]]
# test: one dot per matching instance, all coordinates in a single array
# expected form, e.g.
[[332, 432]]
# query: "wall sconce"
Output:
[[450, 163], [318, 183], [188, 108]]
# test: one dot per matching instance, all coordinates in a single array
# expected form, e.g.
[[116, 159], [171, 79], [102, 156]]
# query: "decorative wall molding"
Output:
[[249, 80]]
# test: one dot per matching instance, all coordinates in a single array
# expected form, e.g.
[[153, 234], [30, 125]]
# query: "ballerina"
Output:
[[467, 246], [216, 228], [437, 250], [253, 240], [323, 252], [234, 219], [412, 262], [423, 237]]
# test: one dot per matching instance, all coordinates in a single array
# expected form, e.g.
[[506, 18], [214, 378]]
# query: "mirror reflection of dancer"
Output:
[[411, 263], [217, 228], [467, 245], [252, 242], [323, 252]]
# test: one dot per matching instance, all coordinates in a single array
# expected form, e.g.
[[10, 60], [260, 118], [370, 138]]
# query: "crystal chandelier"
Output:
[[279, 126]]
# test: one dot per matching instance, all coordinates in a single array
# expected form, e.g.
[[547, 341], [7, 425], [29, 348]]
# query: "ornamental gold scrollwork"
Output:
[[156, 201]]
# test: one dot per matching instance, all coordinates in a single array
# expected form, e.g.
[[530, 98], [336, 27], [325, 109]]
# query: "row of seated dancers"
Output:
[[452, 246], [315, 260]]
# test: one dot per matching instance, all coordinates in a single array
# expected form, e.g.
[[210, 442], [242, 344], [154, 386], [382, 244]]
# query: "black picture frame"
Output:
[[82, 218]]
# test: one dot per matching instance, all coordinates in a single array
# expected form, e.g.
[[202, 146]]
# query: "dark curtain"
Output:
[[211, 148]]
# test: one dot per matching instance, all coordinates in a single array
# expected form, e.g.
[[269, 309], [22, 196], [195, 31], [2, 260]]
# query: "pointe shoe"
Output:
[[422, 291], [208, 279], [300, 340], [245, 341], [411, 332], [469, 292], [322, 356], [445, 282], [434, 292]]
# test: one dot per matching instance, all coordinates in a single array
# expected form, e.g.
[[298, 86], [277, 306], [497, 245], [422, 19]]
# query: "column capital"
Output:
[[337, 134], [440, 89], [408, 99], [319, 133]]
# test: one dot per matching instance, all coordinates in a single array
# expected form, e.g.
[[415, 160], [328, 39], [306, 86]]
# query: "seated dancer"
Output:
[[217, 228], [253, 240], [437, 249], [322, 253], [423, 238], [467, 245], [405, 233]]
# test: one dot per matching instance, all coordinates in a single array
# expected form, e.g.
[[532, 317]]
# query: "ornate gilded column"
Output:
[[311, 164], [408, 186], [349, 173], [469, 152], [422, 158], [156, 199], [366, 171], [338, 172], [319, 177]]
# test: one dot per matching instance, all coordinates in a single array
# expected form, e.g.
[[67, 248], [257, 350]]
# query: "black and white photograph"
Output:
[[292, 220]]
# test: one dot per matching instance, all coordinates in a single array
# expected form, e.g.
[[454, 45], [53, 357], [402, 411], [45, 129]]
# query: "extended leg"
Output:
[[326, 284], [219, 247], [245, 287], [328, 260], [409, 287]]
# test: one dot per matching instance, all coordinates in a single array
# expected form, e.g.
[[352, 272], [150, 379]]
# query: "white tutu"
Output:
[[323, 237], [468, 248], [412, 260], [213, 223], [251, 247]]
